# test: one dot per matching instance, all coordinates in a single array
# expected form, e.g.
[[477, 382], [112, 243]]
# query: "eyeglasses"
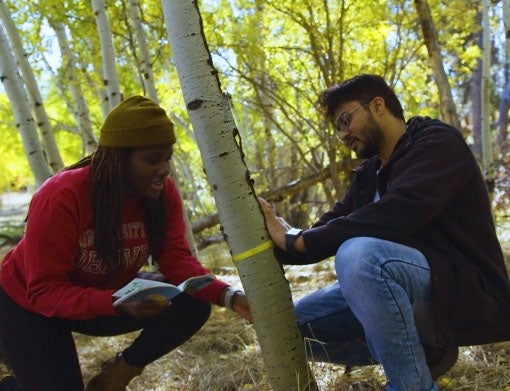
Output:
[[344, 120]]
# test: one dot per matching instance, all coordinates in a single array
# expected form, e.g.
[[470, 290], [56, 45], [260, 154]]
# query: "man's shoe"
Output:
[[441, 359]]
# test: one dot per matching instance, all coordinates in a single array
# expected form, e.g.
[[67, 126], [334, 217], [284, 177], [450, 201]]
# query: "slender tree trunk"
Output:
[[101, 91], [242, 221], [47, 136], [476, 94], [504, 106], [487, 157], [80, 107], [21, 108], [110, 79], [145, 63], [428, 28], [505, 95]]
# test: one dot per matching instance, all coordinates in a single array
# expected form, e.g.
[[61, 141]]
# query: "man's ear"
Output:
[[378, 105]]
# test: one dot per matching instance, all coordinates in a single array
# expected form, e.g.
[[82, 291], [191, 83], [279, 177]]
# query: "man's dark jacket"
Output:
[[433, 198]]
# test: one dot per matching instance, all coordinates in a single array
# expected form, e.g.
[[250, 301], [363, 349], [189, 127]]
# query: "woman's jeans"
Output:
[[42, 353], [379, 311]]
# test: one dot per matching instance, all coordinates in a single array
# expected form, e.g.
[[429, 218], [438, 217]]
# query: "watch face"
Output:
[[293, 231]]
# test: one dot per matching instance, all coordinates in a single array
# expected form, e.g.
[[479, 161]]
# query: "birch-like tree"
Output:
[[487, 157], [110, 78], [428, 28], [80, 107], [144, 60], [242, 221], [504, 104], [22, 113], [476, 96], [100, 90], [48, 138]]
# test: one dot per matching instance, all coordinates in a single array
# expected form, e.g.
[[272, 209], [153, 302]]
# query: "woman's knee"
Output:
[[186, 311], [202, 311]]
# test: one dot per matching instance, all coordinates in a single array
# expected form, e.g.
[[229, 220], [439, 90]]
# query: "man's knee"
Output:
[[351, 260], [357, 248]]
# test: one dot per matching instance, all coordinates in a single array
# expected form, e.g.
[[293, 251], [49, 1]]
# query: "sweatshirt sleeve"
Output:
[[48, 256], [176, 262]]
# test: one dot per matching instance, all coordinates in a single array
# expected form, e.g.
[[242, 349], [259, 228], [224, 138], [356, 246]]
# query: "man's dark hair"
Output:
[[362, 88]]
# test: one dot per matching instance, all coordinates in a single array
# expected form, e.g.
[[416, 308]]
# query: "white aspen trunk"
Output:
[[145, 59], [48, 138], [100, 90], [242, 221], [81, 110], [110, 79], [22, 113], [487, 157]]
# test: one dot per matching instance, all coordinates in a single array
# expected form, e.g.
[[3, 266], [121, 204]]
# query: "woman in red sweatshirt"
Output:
[[90, 229]]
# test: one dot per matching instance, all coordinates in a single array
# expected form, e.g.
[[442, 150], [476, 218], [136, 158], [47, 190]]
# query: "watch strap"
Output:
[[290, 240]]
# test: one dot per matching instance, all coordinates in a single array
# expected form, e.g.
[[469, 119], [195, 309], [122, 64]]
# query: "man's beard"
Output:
[[374, 135]]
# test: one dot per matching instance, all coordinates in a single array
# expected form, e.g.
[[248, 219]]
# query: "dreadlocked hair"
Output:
[[107, 178], [81, 163], [155, 223]]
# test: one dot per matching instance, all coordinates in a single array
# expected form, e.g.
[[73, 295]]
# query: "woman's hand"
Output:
[[143, 309], [241, 306]]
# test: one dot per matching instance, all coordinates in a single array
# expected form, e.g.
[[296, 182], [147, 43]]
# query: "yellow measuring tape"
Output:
[[252, 251]]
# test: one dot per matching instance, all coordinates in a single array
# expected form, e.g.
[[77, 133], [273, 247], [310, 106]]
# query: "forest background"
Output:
[[273, 59]]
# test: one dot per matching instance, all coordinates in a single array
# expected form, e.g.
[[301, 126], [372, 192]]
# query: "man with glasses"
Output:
[[420, 270]]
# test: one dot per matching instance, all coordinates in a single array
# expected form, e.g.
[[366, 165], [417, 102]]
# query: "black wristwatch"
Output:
[[290, 239]]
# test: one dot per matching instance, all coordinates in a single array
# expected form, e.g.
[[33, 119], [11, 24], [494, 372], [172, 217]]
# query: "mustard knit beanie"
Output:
[[137, 122]]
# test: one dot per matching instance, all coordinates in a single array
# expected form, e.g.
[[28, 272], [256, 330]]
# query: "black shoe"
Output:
[[441, 359]]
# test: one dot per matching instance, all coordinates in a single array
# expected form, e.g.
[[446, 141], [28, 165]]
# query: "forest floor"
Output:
[[224, 355]]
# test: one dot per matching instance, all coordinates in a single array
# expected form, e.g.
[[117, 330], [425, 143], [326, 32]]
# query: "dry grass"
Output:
[[224, 355]]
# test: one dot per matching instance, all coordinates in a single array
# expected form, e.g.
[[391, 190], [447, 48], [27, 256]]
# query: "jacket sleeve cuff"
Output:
[[286, 258]]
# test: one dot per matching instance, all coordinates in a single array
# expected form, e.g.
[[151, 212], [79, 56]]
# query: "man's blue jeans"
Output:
[[379, 311]]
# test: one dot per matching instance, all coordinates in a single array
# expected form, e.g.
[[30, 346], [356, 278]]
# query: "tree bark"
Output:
[[21, 108], [48, 138], [504, 105], [110, 78], [476, 94], [487, 157], [448, 110], [80, 107], [144, 63], [243, 226]]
